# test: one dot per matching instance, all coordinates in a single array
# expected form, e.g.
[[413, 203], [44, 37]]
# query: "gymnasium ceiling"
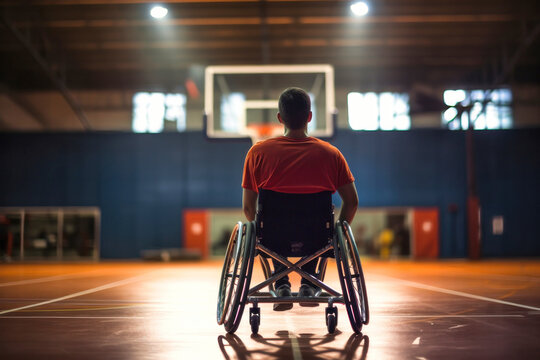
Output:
[[115, 44]]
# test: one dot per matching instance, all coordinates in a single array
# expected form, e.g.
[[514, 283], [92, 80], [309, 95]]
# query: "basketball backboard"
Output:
[[242, 100]]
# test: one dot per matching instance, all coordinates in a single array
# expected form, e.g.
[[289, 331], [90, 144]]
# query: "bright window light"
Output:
[[158, 12], [150, 110], [175, 110], [359, 8], [372, 111], [489, 109], [452, 97], [371, 108], [386, 111], [232, 106]]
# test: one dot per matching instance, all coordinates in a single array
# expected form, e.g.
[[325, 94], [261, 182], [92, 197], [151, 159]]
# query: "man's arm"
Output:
[[349, 198], [249, 202]]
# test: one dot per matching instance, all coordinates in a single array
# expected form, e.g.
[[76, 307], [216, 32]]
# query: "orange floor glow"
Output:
[[419, 310]]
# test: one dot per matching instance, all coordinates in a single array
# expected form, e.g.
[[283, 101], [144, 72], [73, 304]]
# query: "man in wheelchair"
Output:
[[296, 163]]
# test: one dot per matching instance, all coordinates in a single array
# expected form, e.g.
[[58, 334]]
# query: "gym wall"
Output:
[[143, 182]]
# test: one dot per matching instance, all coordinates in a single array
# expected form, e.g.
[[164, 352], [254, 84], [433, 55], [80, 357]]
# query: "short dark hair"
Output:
[[294, 107]]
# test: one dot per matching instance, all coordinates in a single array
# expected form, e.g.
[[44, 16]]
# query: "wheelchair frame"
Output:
[[235, 293]]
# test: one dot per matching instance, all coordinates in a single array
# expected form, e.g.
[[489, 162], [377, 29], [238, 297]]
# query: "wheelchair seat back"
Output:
[[295, 225]]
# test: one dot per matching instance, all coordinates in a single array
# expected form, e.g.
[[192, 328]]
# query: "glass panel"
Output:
[[232, 109], [387, 111], [370, 105], [354, 101], [452, 97], [489, 109], [383, 233], [150, 110], [492, 117], [402, 122], [140, 122], [450, 114], [10, 236], [384, 111], [79, 236], [506, 117], [41, 235]]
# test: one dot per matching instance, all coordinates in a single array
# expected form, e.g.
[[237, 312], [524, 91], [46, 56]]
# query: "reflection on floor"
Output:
[[419, 310]]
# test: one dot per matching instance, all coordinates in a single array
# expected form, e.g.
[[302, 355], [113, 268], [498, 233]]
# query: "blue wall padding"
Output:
[[508, 169], [142, 182]]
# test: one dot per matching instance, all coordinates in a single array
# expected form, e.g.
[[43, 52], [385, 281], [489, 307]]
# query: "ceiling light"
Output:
[[359, 8], [158, 12]]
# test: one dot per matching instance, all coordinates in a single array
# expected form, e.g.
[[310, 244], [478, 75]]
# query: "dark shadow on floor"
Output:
[[285, 345]]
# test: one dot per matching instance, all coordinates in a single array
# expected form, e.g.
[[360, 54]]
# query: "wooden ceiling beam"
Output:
[[435, 43], [275, 21], [123, 2]]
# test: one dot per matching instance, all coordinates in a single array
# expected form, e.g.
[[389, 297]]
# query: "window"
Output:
[[232, 109], [151, 110], [384, 111], [485, 109]]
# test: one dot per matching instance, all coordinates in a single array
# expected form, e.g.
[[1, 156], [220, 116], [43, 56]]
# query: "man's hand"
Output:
[[249, 202], [350, 202]]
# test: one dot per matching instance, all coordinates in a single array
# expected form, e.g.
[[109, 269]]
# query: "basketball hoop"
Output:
[[259, 132]]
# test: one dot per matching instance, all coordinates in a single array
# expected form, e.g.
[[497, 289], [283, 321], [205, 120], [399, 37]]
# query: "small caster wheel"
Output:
[[331, 322], [255, 319], [331, 318]]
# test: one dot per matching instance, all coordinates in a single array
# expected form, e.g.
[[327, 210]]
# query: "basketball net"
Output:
[[259, 132]]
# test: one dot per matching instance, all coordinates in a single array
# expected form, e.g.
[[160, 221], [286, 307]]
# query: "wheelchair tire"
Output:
[[359, 281], [351, 277], [245, 259], [229, 274]]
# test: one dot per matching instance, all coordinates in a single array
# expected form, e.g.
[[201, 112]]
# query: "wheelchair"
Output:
[[297, 226]]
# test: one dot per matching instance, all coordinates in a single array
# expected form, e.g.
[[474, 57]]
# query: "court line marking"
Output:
[[76, 317], [452, 316], [297, 354], [512, 277], [460, 293], [77, 294], [294, 342], [45, 279]]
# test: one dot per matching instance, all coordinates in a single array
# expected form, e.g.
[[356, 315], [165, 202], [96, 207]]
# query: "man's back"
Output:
[[295, 165]]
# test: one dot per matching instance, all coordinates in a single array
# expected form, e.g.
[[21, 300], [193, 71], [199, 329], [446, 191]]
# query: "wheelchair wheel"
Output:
[[351, 277], [357, 273], [240, 291], [229, 274]]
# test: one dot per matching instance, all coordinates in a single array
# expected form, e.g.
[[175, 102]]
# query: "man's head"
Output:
[[294, 108]]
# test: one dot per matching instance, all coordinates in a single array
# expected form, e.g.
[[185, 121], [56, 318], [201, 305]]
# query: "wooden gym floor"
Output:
[[419, 310]]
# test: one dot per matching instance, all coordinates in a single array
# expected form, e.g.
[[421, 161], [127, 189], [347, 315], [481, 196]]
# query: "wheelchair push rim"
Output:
[[351, 278], [358, 275], [245, 259]]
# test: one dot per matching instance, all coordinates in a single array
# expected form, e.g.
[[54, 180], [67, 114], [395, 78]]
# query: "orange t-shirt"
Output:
[[300, 166]]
